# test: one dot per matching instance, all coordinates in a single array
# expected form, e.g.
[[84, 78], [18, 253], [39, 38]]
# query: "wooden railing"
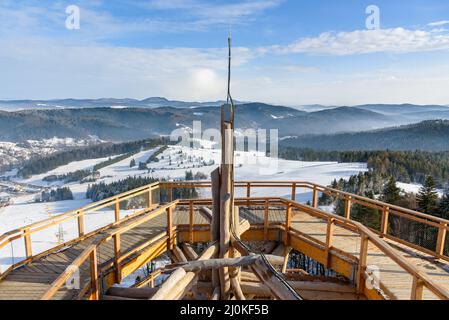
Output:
[[388, 211], [367, 236], [77, 215], [90, 253]]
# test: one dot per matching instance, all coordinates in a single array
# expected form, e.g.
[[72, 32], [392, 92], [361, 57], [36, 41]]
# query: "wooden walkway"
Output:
[[31, 281]]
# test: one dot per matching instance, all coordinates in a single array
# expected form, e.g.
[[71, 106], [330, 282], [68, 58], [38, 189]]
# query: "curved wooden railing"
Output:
[[79, 215], [420, 280], [387, 210], [90, 253]]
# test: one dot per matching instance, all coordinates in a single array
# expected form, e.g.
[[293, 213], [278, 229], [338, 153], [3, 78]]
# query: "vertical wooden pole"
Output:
[[362, 264], [80, 223], [170, 228], [294, 191], [442, 232], [266, 221], [315, 197], [117, 253], [385, 219], [94, 283], [150, 198], [215, 224], [348, 205], [236, 227], [329, 239], [226, 208], [117, 210], [191, 221], [288, 223], [417, 289], [27, 239]]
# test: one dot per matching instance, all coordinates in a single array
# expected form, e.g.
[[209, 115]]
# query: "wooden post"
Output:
[[117, 253], [385, 219], [215, 224], [417, 289], [442, 232], [191, 221], [294, 191], [315, 197], [27, 239], [150, 198], [348, 205], [226, 208], [170, 228], [362, 264], [329, 239], [266, 221], [94, 276], [288, 223], [80, 223], [117, 210]]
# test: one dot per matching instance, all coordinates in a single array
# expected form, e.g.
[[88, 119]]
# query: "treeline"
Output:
[[60, 194], [404, 166], [48, 163], [69, 177], [101, 191]]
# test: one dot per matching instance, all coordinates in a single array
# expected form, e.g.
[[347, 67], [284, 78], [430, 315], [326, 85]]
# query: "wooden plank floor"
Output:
[[393, 277]]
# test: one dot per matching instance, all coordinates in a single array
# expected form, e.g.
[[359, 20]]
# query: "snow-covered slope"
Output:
[[173, 164]]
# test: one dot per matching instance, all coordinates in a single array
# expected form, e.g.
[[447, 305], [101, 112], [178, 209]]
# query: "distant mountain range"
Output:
[[431, 135], [124, 123], [154, 102]]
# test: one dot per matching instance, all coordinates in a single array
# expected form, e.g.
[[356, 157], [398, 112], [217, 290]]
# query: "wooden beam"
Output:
[[201, 265], [169, 285], [189, 252], [215, 224], [279, 289], [206, 213], [181, 282], [133, 293], [179, 255]]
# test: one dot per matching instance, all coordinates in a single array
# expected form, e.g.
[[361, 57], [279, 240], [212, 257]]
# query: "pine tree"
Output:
[[428, 197], [132, 164], [391, 192]]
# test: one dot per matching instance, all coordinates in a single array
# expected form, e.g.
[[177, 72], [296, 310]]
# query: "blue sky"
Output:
[[290, 52]]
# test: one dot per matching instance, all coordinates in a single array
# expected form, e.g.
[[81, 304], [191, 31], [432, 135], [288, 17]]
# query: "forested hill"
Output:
[[126, 124], [427, 136]]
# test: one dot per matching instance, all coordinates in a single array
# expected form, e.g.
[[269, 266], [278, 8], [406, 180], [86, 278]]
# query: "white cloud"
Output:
[[398, 40], [439, 23]]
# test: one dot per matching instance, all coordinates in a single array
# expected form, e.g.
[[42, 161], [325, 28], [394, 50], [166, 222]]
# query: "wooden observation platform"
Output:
[[375, 264]]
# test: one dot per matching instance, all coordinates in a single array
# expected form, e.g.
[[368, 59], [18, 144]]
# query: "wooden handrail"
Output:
[[365, 232], [91, 250]]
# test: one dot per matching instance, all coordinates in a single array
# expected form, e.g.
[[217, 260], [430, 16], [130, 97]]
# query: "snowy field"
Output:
[[173, 163]]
